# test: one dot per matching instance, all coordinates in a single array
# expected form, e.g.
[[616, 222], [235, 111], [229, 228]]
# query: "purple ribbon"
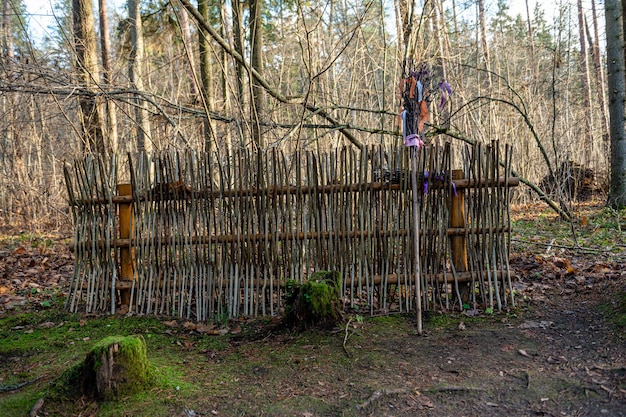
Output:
[[446, 91], [413, 140]]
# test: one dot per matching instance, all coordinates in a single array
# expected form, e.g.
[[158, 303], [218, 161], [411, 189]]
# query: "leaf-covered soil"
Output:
[[560, 352]]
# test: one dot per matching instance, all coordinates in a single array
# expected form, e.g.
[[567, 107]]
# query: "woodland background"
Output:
[[261, 74]]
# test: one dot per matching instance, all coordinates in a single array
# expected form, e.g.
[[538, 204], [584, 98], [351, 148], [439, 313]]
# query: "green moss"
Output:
[[316, 302], [213, 343], [617, 312], [131, 371], [18, 405], [131, 357], [322, 292], [391, 319], [66, 386], [320, 296], [441, 320]]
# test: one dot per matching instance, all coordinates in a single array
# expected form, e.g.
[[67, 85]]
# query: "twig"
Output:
[[7, 388], [452, 388], [345, 339], [380, 393], [607, 389], [576, 247]]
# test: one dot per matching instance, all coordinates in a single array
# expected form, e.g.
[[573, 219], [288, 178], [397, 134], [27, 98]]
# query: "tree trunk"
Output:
[[258, 93], [598, 70], [135, 75], [226, 33], [455, 23], [404, 20], [616, 84], [623, 25], [11, 153], [105, 49], [483, 38], [238, 46], [382, 73], [206, 75], [186, 34], [488, 133], [585, 84], [87, 68], [531, 36], [439, 25], [7, 32]]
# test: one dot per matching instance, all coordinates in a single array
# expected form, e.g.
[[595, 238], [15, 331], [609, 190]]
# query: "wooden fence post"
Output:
[[458, 243], [127, 253]]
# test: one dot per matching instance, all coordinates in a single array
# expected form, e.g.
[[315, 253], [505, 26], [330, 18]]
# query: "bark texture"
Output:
[[87, 70], [616, 82]]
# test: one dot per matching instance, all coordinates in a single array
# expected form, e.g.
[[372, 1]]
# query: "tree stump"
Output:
[[116, 366], [316, 303]]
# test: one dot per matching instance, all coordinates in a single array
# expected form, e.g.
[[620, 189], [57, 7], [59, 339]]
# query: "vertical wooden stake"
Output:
[[458, 243], [416, 238], [126, 226]]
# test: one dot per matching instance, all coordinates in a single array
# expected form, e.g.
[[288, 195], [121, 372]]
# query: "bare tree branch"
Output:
[[540, 193], [273, 92]]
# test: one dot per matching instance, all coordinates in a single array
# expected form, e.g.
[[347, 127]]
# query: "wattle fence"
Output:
[[201, 236]]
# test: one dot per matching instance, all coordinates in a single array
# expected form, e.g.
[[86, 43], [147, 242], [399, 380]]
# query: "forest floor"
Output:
[[560, 352]]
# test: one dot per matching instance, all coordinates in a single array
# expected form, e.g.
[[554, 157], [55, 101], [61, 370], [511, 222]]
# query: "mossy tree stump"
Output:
[[315, 303], [114, 367]]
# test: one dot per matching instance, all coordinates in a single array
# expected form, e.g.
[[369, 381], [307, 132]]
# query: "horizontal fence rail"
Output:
[[202, 235]]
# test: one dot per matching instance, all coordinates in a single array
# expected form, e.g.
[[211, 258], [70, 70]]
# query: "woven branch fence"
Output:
[[201, 236]]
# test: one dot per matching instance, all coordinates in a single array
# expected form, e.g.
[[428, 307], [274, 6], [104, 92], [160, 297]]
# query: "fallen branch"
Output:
[[573, 247], [7, 388]]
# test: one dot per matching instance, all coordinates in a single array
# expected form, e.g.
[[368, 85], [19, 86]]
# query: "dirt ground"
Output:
[[557, 355], [560, 352]]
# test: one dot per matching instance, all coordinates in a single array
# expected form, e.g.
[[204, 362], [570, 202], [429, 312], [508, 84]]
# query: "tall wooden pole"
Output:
[[126, 226], [458, 243], [416, 238]]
